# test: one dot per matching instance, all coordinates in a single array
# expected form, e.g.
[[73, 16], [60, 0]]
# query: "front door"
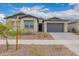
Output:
[[40, 27]]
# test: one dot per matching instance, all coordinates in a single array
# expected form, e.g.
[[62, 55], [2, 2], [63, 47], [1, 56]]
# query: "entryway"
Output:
[[40, 27]]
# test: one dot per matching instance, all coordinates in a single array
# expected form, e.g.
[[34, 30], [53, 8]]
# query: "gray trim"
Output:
[[23, 15], [14, 15]]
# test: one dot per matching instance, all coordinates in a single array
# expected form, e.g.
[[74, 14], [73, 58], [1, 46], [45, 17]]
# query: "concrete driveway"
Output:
[[68, 37], [64, 36]]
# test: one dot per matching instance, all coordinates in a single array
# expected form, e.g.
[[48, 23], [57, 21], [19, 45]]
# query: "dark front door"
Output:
[[40, 27]]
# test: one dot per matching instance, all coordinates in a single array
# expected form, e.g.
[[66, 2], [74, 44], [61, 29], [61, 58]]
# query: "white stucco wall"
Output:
[[8, 22], [36, 24], [22, 23], [72, 25], [29, 18]]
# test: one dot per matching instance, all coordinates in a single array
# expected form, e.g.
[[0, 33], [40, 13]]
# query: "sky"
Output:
[[10, 8], [42, 10]]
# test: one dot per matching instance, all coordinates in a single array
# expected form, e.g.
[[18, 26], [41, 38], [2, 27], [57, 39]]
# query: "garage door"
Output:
[[55, 27]]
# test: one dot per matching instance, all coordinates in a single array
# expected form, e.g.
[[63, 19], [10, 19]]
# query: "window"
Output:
[[28, 24]]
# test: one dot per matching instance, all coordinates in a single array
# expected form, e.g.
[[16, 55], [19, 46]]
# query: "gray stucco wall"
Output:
[[65, 23], [72, 25], [29, 18], [21, 24]]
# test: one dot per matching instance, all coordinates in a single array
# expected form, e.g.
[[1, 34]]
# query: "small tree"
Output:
[[6, 31], [1, 29]]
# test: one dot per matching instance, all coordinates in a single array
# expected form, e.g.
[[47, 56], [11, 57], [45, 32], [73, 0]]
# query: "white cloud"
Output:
[[13, 9], [9, 5], [40, 11], [2, 15], [62, 4], [76, 7], [72, 3], [36, 11], [2, 18]]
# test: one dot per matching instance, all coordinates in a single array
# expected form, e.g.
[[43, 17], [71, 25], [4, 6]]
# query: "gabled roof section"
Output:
[[22, 15], [28, 16], [14, 15], [56, 19]]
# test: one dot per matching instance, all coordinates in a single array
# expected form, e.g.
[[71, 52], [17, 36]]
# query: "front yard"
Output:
[[31, 36], [39, 35], [36, 50]]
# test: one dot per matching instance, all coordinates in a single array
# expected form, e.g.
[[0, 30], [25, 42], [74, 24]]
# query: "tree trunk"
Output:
[[7, 44], [17, 34], [17, 40]]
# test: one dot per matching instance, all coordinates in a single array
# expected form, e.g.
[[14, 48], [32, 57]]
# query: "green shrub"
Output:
[[73, 30], [77, 31], [27, 32], [45, 34], [42, 34], [69, 30]]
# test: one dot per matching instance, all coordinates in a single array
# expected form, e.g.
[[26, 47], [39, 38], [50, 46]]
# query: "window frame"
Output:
[[28, 24]]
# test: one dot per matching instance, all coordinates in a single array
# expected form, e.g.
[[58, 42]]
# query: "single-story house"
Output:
[[38, 24], [74, 24]]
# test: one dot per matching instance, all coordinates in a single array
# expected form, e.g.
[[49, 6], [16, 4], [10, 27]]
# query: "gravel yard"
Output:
[[36, 50], [33, 37]]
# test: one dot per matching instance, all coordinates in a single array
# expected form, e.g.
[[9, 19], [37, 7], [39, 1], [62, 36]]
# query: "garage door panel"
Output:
[[55, 27]]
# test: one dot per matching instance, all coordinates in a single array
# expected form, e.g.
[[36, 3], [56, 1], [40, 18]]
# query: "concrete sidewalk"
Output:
[[42, 42]]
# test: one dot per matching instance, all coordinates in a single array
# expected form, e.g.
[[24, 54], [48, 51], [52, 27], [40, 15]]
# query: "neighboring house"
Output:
[[74, 24], [38, 24]]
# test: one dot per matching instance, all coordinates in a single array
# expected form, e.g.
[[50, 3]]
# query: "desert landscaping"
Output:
[[32, 36], [38, 30], [36, 50]]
